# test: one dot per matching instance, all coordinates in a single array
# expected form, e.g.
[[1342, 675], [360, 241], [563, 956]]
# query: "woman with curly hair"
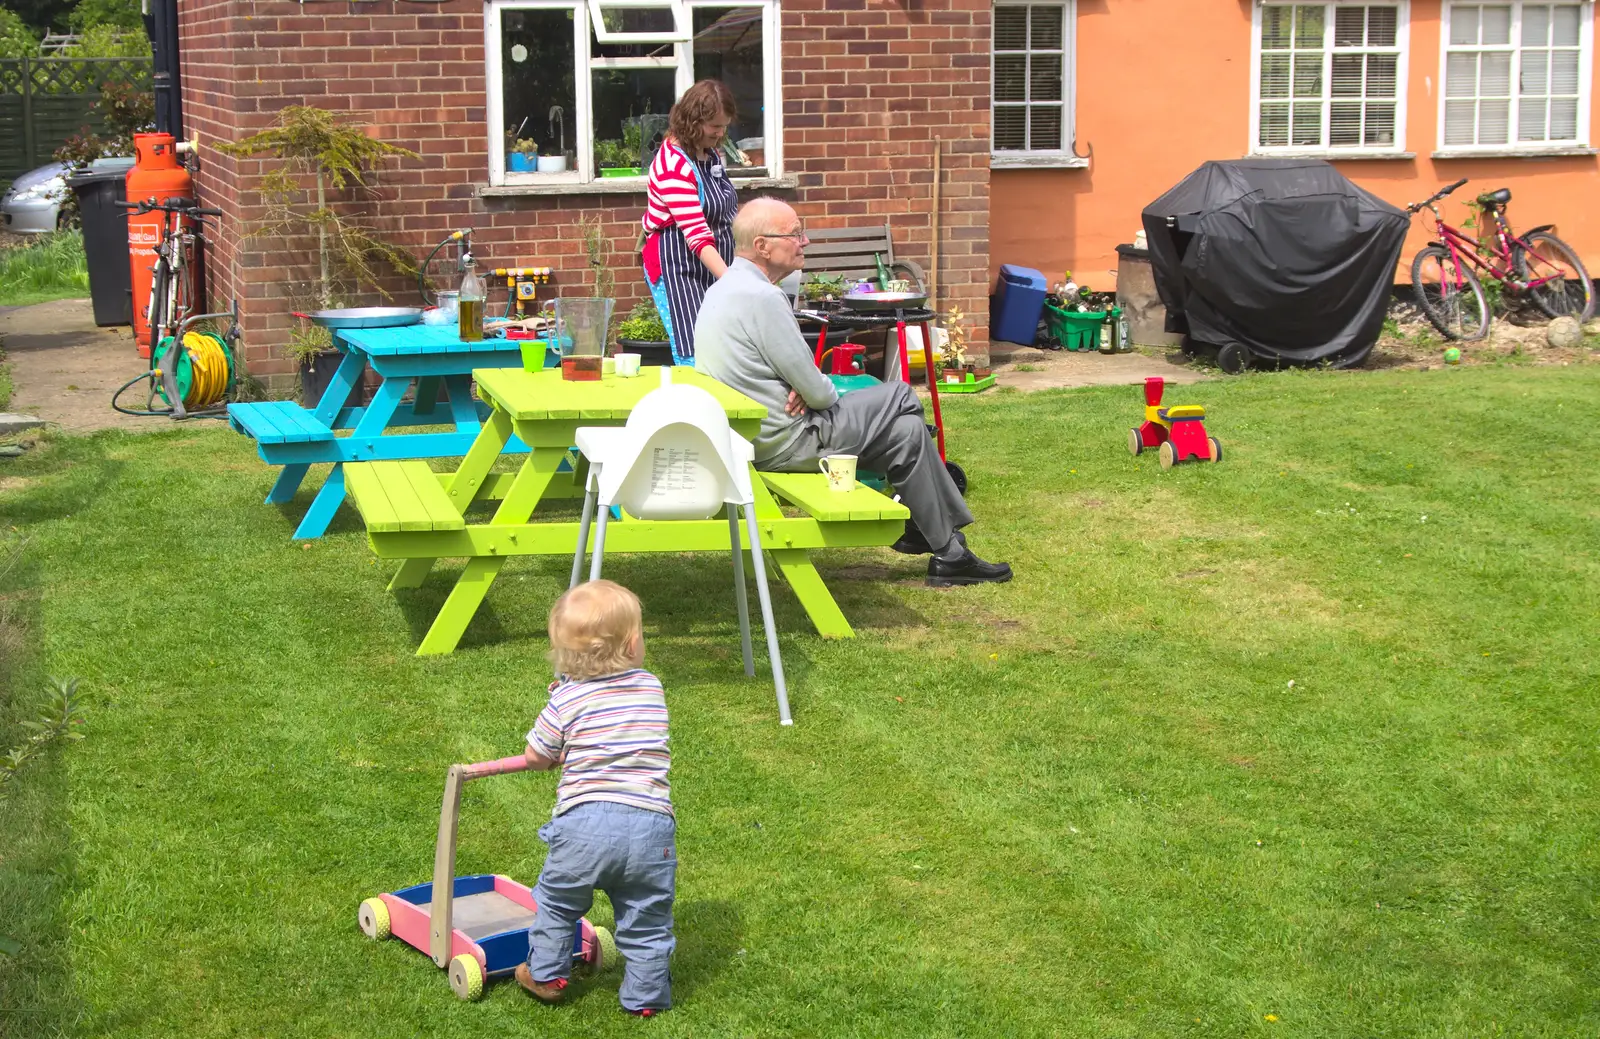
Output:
[[688, 221]]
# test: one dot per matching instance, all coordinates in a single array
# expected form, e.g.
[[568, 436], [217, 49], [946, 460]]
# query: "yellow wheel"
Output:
[[466, 977], [1169, 456], [1135, 442], [606, 956], [1216, 449], [373, 916]]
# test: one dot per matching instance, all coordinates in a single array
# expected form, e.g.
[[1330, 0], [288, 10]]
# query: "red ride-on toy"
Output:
[[1178, 430]]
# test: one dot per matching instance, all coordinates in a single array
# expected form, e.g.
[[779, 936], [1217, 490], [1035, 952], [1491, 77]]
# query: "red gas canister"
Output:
[[156, 175]]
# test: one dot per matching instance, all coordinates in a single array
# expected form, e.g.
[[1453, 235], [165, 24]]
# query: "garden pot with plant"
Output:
[[525, 156], [644, 333]]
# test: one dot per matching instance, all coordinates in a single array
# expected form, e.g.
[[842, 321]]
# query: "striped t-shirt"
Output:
[[609, 735], [674, 197]]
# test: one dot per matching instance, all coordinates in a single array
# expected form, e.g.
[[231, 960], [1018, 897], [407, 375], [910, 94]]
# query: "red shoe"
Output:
[[543, 991], [646, 1012]]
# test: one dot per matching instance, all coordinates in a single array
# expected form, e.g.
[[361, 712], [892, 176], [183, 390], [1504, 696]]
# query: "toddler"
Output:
[[612, 827]]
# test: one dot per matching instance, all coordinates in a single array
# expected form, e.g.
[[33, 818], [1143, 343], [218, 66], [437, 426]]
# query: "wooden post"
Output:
[[29, 142], [933, 276]]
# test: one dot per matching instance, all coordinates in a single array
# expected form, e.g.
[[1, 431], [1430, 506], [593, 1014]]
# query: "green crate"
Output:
[[1074, 330]]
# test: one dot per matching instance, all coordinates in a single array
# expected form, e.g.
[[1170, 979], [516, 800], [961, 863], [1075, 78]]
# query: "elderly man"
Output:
[[746, 337]]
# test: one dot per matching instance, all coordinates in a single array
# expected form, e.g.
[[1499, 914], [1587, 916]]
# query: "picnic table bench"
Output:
[[417, 515]]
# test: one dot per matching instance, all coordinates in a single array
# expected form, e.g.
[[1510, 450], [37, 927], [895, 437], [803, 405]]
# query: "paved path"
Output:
[[64, 369]]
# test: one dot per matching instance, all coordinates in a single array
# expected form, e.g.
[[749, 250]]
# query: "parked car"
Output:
[[32, 205]]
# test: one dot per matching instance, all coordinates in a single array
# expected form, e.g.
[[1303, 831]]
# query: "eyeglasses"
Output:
[[793, 234]]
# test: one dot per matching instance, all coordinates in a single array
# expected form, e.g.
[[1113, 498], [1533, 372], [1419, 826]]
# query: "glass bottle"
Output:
[[474, 294]]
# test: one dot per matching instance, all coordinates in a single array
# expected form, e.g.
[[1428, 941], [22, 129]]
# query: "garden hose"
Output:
[[422, 272], [193, 379]]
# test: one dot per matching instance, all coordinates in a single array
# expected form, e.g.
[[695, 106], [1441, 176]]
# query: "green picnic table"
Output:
[[417, 515]]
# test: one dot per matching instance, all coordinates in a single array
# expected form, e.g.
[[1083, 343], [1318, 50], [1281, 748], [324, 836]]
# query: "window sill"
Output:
[[615, 186], [1516, 153], [1333, 154], [1045, 161]]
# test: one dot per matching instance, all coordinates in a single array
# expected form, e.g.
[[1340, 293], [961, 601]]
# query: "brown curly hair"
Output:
[[701, 103]]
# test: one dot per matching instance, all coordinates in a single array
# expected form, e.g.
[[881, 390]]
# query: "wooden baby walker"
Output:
[[1179, 430]]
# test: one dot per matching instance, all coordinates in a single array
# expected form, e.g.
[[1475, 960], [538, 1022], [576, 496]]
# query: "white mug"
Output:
[[841, 472], [628, 365]]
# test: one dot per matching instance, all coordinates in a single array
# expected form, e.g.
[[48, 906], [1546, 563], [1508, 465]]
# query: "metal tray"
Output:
[[365, 317], [877, 302]]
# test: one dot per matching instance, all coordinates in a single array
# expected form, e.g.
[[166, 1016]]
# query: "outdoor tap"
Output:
[[558, 126]]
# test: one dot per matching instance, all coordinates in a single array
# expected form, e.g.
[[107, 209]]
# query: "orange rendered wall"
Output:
[[1164, 85]]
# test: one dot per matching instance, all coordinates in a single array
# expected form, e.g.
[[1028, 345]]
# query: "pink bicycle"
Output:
[[1537, 266]]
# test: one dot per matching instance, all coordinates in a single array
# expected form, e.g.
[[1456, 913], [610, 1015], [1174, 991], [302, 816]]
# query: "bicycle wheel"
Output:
[[1450, 294], [1564, 288]]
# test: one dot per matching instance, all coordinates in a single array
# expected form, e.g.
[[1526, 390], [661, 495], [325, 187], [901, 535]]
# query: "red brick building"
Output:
[[840, 102]]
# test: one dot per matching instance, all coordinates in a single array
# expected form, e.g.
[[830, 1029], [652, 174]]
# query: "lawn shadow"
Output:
[[710, 936]]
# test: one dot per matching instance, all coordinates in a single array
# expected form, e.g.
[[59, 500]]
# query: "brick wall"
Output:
[[867, 85]]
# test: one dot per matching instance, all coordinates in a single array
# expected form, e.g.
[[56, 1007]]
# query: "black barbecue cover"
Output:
[[1285, 257]]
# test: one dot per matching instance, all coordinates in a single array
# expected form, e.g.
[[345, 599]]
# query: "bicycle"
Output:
[[1536, 265], [191, 371]]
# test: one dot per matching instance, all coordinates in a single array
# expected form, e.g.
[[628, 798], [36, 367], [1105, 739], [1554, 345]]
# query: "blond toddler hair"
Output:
[[596, 629]]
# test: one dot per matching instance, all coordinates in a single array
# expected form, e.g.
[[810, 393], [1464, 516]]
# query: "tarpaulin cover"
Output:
[[1284, 257]]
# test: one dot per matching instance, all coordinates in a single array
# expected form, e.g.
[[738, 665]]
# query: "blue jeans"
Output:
[[631, 855]]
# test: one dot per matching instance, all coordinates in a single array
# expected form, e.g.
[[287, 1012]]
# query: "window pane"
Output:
[[655, 20], [1308, 124], [1564, 119], [1010, 127], [1045, 81], [536, 62], [1044, 130], [1274, 126], [1380, 125], [1535, 72], [1010, 28], [1344, 123], [1010, 77], [1564, 72], [1274, 75], [1494, 122], [1463, 25], [1460, 122], [1046, 31], [1348, 75], [1461, 75], [1310, 23], [1565, 26], [728, 46], [1530, 119], [1349, 26], [1494, 75], [1382, 75], [1535, 25], [1307, 74], [1496, 26], [1383, 26], [1275, 27], [621, 98]]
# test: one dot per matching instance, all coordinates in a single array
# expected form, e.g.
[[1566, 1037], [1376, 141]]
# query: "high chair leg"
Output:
[[766, 614], [599, 544], [739, 592], [589, 496]]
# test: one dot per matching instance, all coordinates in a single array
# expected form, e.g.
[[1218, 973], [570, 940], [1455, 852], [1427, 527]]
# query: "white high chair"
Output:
[[677, 459]]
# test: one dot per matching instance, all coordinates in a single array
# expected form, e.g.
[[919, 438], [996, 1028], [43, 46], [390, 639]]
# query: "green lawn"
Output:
[[1301, 744], [48, 267]]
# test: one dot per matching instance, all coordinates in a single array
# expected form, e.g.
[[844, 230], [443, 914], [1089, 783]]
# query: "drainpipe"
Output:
[[161, 23]]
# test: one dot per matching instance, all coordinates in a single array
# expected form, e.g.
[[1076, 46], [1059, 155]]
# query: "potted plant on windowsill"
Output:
[[524, 156], [644, 333], [614, 159]]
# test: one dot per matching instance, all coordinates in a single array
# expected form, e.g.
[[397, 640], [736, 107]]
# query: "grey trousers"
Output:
[[884, 427]]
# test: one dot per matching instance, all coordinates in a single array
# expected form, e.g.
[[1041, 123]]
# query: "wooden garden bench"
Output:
[[853, 251]]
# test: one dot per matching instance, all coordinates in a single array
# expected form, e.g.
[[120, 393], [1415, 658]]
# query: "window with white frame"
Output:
[[1329, 77], [1032, 80], [580, 90], [1516, 75]]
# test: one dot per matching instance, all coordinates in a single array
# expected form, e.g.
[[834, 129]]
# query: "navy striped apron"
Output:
[[684, 280]]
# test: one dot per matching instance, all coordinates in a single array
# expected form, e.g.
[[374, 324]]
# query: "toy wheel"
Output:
[[373, 916], [1135, 442], [606, 957], [1233, 358], [1169, 455], [958, 475], [466, 977], [1216, 449]]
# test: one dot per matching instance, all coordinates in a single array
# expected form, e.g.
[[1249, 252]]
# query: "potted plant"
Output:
[[954, 367], [525, 155], [615, 160], [822, 288], [643, 332]]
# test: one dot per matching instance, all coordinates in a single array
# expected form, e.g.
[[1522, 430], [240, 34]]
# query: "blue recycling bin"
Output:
[[1018, 302]]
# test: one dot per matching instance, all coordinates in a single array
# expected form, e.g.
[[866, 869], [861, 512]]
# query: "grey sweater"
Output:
[[747, 339]]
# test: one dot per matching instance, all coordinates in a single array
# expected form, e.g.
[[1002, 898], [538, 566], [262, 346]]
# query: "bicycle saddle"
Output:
[[1495, 198]]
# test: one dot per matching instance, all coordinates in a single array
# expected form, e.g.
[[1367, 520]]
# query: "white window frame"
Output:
[[1064, 156], [586, 63], [1402, 39], [1583, 145], [683, 24]]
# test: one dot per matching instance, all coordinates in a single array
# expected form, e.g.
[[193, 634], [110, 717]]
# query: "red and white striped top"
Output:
[[674, 197]]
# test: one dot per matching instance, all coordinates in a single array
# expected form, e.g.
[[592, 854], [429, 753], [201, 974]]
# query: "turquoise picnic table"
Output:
[[296, 437]]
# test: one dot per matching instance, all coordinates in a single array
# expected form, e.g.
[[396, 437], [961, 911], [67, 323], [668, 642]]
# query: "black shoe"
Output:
[[969, 569], [912, 543]]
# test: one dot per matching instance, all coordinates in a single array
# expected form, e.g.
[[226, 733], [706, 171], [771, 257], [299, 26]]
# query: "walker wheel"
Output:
[[1169, 455], [1135, 442], [958, 475], [466, 977], [1216, 449], [373, 916], [606, 957]]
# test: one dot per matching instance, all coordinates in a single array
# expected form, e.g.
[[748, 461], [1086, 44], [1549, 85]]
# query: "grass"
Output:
[[1301, 744], [48, 267]]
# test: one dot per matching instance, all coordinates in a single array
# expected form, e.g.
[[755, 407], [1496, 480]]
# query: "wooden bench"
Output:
[[277, 422], [810, 493], [853, 251], [401, 496]]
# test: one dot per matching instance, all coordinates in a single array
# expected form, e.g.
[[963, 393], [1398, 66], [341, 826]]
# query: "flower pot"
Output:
[[982, 373], [521, 163], [650, 351], [316, 372]]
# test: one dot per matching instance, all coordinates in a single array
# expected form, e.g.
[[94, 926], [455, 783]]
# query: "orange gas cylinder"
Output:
[[156, 175]]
